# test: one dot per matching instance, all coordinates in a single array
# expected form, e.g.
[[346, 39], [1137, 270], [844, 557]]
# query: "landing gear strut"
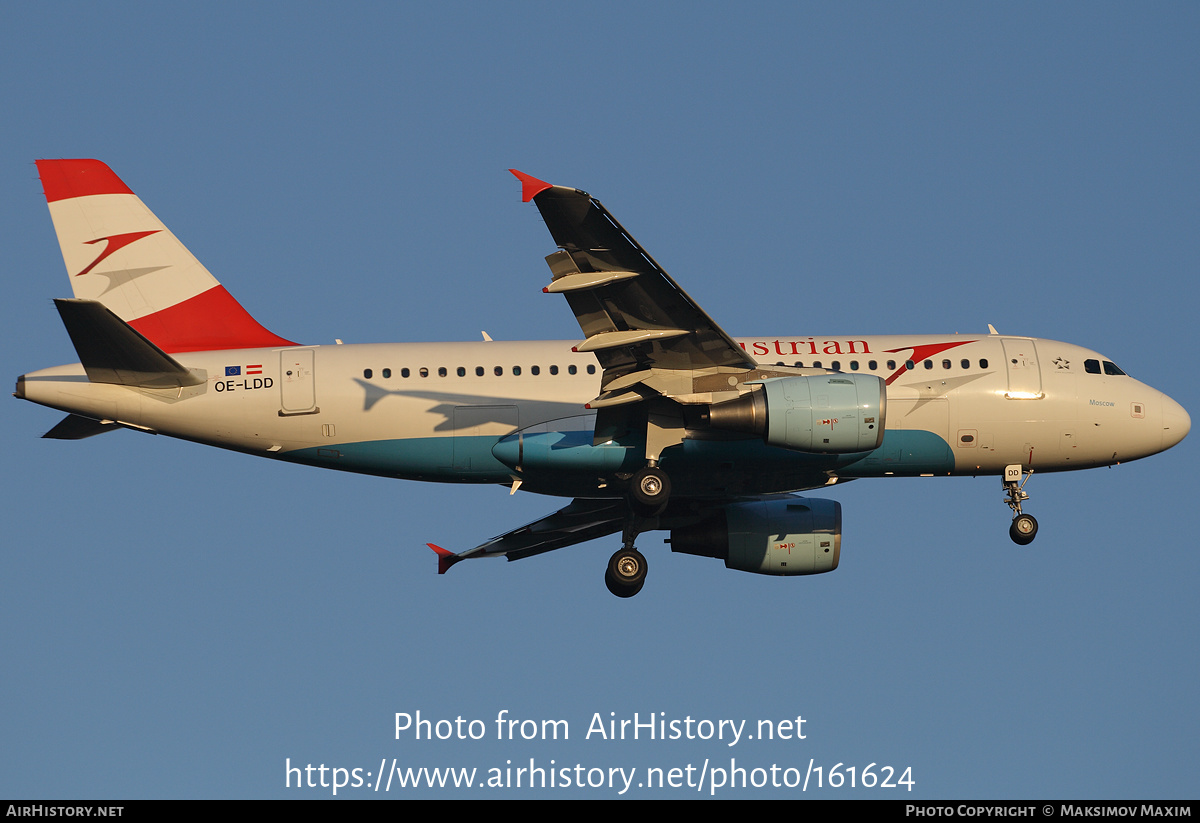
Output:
[[648, 491], [626, 572], [1024, 527]]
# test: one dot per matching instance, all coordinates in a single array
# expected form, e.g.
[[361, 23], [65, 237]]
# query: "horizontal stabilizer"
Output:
[[112, 351], [74, 427]]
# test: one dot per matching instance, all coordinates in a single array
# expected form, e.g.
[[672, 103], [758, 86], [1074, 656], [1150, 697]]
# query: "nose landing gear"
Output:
[[1024, 527]]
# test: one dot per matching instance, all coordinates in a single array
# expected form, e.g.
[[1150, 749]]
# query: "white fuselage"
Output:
[[434, 411]]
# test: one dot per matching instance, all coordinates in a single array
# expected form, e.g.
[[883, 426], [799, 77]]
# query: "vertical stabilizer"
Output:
[[118, 253]]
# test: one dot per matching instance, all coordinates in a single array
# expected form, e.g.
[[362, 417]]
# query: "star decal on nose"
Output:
[[1061, 363]]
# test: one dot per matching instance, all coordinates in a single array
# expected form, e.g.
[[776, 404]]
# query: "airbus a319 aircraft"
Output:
[[656, 419]]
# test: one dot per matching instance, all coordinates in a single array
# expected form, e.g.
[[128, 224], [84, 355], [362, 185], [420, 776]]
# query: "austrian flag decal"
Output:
[[236, 371]]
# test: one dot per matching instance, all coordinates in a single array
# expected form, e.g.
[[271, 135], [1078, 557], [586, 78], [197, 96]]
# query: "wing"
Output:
[[581, 521], [659, 350], [633, 315]]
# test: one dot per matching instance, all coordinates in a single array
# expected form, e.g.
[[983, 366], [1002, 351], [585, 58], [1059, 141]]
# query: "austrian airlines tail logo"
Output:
[[114, 243]]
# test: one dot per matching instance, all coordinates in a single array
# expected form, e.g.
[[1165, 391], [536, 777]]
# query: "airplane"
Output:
[[656, 420]]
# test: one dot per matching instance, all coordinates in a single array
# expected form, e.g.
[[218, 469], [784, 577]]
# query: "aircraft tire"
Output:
[[626, 573], [1023, 529], [649, 490]]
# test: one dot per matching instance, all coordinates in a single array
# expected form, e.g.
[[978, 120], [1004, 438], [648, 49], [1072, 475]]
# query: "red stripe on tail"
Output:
[[209, 321], [64, 179]]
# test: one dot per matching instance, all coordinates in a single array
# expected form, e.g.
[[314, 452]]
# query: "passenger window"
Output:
[[571, 369], [945, 364], [499, 370], [872, 365], [891, 364], [516, 370], [462, 372], [424, 372], [836, 365], [479, 371], [592, 368], [441, 371], [816, 364], [554, 369], [929, 364], [1091, 366], [387, 372], [367, 373], [535, 370], [983, 364], [853, 365], [966, 364], [405, 372]]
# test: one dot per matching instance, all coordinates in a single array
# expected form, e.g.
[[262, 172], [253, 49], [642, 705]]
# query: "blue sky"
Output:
[[178, 621]]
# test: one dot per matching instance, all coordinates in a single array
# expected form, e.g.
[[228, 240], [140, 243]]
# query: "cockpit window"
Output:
[[1094, 366]]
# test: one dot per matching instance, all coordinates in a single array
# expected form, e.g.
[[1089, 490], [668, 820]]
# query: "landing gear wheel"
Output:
[[626, 573], [1023, 529], [649, 490]]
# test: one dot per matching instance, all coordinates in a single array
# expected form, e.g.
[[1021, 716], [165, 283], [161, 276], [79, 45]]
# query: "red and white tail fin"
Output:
[[118, 253]]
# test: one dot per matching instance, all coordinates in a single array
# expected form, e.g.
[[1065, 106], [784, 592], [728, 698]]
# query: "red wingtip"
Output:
[[531, 187], [446, 558]]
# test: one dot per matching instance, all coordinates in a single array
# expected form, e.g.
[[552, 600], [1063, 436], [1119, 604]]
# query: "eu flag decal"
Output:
[[233, 371]]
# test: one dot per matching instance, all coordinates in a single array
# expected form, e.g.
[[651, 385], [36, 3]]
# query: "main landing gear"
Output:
[[626, 572], [649, 491], [1024, 527]]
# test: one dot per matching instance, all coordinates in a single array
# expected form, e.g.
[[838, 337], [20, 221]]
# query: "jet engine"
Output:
[[788, 536], [825, 414]]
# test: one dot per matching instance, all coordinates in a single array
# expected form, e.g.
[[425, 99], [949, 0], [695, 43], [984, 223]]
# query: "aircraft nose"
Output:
[[1176, 422]]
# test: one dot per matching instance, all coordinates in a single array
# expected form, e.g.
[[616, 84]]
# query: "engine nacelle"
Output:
[[785, 537], [824, 414]]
